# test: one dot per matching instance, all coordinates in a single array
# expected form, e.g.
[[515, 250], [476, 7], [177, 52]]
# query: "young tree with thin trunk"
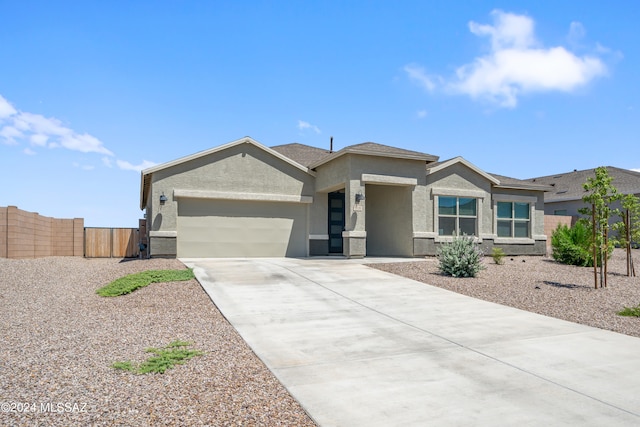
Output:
[[628, 228], [600, 195]]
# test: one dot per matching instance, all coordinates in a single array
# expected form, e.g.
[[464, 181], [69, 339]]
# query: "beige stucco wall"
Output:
[[243, 168], [346, 172], [458, 180], [389, 220]]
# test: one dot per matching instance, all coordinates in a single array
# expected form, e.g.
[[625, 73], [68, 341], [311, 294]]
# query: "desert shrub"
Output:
[[572, 245], [498, 255], [460, 258]]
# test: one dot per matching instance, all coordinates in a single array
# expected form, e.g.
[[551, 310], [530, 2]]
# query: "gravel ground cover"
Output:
[[58, 340], [541, 285]]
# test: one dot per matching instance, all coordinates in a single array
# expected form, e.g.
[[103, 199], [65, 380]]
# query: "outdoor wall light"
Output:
[[359, 197], [163, 198]]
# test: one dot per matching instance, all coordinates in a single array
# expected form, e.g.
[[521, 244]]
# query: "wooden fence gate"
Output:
[[111, 242]]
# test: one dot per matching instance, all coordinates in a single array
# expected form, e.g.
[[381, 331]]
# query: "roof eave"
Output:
[[451, 162], [246, 140], [525, 187], [332, 156]]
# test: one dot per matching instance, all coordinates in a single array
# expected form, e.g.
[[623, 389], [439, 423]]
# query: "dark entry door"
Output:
[[336, 222]]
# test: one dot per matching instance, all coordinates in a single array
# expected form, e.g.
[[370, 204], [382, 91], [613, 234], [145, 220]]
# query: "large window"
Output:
[[457, 216], [513, 219]]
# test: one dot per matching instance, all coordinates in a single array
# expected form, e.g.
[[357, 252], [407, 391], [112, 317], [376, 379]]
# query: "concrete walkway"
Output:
[[360, 347]]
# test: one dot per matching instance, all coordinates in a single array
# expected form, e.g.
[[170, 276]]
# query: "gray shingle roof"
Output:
[[300, 153], [506, 181], [312, 156], [386, 150], [568, 186]]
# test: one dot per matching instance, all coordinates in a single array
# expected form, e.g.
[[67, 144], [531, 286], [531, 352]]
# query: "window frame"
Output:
[[457, 215], [513, 219], [535, 212]]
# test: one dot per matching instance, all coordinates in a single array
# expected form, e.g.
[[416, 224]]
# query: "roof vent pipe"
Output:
[[330, 144]]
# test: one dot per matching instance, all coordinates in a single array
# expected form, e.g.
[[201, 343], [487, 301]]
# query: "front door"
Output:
[[336, 222]]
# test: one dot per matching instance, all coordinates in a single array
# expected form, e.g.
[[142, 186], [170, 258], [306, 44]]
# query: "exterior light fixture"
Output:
[[359, 197], [163, 198]]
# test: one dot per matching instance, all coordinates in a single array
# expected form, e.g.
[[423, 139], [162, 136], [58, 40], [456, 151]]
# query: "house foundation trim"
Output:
[[163, 234], [356, 234], [318, 237]]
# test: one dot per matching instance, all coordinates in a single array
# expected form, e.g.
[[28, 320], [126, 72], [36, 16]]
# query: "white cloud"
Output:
[[9, 134], [28, 151], [418, 75], [124, 165], [6, 109], [510, 31], [422, 114], [636, 170], [517, 64], [302, 125], [107, 162], [39, 139], [84, 167], [42, 131]]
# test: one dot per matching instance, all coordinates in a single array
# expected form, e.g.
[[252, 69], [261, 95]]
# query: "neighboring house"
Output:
[[565, 197], [244, 199]]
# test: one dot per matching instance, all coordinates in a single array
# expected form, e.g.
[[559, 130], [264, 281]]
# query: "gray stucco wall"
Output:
[[389, 220], [239, 169], [460, 181], [243, 168]]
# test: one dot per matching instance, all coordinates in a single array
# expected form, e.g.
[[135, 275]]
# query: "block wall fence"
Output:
[[551, 222], [30, 235]]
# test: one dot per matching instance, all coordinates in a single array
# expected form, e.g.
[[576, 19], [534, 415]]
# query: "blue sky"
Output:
[[92, 92]]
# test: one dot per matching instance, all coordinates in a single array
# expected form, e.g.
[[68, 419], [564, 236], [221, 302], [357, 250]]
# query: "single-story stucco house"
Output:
[[244, 199]]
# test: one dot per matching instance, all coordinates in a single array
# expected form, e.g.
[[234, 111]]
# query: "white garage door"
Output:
[[230, 228]]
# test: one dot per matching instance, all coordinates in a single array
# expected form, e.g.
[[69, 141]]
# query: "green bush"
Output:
[[460, 258], [498, 255], [572, 245]]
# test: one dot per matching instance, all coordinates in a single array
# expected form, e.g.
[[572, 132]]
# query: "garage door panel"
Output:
[[226, 228]]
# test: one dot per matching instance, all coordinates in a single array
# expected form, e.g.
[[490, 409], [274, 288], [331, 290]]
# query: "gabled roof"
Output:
[[146, 174], [435, 167], [498, 181], [374, 149], [569, 186], [303, 154]]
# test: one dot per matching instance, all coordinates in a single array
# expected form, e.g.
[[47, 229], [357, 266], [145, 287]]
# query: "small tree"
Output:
[[600, 195], [629, 228]]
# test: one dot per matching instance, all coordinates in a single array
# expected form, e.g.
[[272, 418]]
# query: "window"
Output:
[[457, 216], [513, 219], [560, 212]]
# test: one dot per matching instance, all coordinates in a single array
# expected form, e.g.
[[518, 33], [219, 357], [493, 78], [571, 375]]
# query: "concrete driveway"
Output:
[[361, 347]]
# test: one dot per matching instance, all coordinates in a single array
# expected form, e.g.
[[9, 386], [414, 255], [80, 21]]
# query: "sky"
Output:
[[93, 92]]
